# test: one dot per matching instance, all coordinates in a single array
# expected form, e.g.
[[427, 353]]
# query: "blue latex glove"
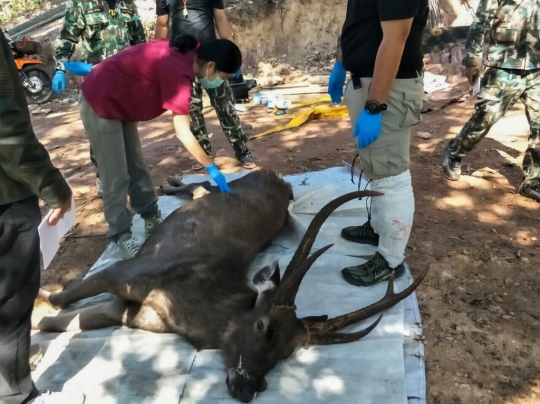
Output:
[[59, 83], [238, 74], [367, 128], [336, 82], [218, 178], [78, 68]]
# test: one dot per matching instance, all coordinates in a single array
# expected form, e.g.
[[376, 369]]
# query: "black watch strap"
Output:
[[375, 107]]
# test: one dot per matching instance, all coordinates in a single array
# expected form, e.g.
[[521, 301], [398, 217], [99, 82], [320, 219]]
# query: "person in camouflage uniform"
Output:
[[201, 18], [105, 27], [512, 73], [222, 99]]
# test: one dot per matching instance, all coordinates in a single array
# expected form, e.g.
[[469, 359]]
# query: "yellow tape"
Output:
[[320, 112]]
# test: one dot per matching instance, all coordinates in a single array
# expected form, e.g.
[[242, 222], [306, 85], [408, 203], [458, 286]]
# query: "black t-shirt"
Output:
[[362, 34], [200, 19]]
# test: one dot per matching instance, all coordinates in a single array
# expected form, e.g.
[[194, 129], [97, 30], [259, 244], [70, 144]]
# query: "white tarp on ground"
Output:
[[120, 366]]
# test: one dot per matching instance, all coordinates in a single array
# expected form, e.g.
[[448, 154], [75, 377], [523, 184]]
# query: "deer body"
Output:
[[190, 278], [190, 275]]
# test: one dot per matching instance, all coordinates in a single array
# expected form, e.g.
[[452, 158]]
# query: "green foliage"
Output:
[[10, 8]]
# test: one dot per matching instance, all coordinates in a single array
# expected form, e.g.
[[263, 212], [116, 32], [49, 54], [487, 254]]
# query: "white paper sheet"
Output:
[[50, 236]]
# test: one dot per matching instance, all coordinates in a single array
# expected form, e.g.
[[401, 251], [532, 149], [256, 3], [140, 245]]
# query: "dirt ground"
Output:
[[479, 302]]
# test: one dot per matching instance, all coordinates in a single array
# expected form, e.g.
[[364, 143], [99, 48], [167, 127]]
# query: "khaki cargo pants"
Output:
[[389, 155]]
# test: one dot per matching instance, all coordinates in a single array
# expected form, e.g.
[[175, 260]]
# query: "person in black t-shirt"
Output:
[[380, 45], [200, 18]]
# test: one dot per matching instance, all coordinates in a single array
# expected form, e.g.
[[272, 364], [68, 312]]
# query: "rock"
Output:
[[41, 111], [424, 135]]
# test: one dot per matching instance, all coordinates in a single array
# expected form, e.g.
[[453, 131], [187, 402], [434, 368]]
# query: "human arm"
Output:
[[472, 59], [135, 26], [337, 77], [222, 24], [395, 33], [183, 133], [22, 157], [72, 31], [162, 19], [485, 13], [162, 26]]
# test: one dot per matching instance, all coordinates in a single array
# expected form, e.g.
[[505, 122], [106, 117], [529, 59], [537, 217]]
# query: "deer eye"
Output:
[[260, 325]]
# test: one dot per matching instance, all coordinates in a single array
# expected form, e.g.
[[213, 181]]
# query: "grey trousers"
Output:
[[118, 152], [19, 285]]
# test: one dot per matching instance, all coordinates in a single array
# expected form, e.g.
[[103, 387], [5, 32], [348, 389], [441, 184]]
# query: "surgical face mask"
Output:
[[207, 84]]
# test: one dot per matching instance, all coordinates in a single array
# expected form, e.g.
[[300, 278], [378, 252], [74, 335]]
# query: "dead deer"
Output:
[[189, 278]]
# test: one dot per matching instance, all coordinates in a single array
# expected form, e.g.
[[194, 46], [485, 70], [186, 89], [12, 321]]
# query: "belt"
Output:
[[400, 75]]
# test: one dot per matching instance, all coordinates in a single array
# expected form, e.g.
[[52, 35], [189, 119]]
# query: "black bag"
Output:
[[240, 88]]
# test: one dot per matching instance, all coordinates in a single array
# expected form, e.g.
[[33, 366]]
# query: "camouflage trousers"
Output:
[[222, 99], [500, 90]]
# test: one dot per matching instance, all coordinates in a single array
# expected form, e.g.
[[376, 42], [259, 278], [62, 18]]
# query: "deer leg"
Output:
[[144, 318], [88, 318], [89, 287]]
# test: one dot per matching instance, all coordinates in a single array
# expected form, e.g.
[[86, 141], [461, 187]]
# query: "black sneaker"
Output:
[[451, 166], [374, 271], [530, 190], [361, 234]]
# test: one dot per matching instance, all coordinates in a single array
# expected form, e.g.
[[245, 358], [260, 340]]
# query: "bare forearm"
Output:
[[225, 31], [161, 32], [183, 133], [386, 68]]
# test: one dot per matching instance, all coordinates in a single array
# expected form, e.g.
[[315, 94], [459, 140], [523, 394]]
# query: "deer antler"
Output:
[[323, 332], [300, 264]]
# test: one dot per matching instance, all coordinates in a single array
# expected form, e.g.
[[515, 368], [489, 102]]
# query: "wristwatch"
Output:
[[374, 107]]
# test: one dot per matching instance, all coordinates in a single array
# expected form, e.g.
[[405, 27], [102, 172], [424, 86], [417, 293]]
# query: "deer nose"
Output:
[[245, 389]]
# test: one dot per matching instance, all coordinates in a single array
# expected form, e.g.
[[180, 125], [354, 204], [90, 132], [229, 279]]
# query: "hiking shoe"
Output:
[[530, 190], [58, 398], [374, 271], [127, 246], [451, 166], [151, 223], [361, 234], [36, 353]]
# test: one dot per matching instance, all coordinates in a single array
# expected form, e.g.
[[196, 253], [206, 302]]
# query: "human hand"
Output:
[[78, 68], [218, 178], [473, 73], [336, 82], [58, 212], [59, 82], [367, 128]]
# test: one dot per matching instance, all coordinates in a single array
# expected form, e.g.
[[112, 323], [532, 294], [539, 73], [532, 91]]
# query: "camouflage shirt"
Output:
[[103, 31], [512, 30]]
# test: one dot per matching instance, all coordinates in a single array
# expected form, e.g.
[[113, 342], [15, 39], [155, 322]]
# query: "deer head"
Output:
[[257, 340]]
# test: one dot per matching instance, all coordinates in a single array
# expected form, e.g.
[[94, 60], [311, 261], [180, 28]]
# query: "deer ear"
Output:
[[267, 277]]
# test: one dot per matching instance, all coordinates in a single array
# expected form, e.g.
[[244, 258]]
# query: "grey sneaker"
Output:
[[151, 223], [128, 246], [451, 166], [58, 398], [99, 186], [374, 271]]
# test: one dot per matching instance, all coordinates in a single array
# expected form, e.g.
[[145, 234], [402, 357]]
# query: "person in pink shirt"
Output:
[[139, 84]]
